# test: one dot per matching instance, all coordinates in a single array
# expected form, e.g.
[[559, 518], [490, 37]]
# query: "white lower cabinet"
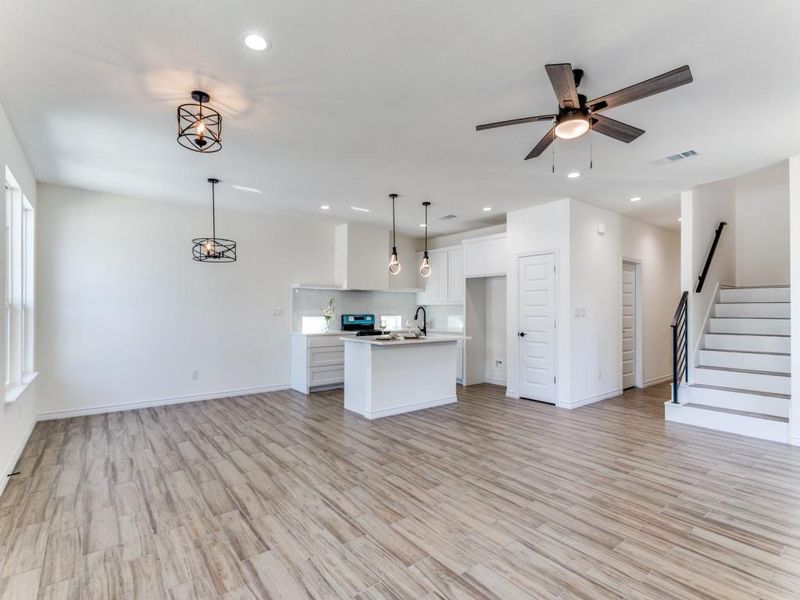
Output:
[[317, 361], [460, 362]]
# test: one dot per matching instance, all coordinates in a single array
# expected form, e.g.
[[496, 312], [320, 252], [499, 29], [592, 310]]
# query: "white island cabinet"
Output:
[[383, 378], [317, 361]]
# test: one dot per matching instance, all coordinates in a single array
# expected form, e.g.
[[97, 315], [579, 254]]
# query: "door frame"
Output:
[[638, 340], [517, 257]]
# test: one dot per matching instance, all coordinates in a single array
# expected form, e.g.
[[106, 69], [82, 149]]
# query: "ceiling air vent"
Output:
[[447, 217], [675, 157]]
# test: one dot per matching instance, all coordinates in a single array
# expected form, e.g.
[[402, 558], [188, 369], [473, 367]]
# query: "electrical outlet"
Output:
[[277, 311], [195, 375]]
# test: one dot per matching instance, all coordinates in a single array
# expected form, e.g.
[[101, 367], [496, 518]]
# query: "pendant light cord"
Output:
[[394, 229], [426, 229], [213, 213]]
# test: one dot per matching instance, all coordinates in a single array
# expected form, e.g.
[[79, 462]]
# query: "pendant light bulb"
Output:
[[425, 268], [394, 263]]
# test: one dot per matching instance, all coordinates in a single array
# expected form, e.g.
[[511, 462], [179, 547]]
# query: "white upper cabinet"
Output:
[[455, 276], [485, 256], [446, 283]]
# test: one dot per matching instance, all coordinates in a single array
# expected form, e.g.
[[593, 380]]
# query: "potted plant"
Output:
[[328, 313]]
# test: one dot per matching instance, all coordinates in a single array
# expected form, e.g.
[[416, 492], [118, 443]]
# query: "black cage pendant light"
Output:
[[425, 267], [213, 249], [394, 263], [199, 126]]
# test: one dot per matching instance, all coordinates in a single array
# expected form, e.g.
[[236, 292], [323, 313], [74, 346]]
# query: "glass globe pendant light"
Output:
[[394, 263], [425, 267], [213, 249]]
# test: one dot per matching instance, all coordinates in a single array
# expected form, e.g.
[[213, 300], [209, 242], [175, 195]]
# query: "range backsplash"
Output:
[[307, 302]]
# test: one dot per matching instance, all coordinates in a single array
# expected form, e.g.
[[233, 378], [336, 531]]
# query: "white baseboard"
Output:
[[657, 380], [794, 440], [494, 381], [15, 457], [589, 399], [512, 394], [388, 412], [108, 408]]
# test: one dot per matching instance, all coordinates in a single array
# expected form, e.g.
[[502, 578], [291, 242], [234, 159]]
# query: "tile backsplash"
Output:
[[308, 302]]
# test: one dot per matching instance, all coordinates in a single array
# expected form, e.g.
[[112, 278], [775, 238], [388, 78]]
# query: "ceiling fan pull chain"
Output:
[[554, 152], [591, 146]]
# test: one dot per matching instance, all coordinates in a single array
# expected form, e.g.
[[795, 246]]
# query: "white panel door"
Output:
[[537, 327], [628, 325]]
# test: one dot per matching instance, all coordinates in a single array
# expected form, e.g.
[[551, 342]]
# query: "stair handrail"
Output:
[[702, 279], [680, 345]]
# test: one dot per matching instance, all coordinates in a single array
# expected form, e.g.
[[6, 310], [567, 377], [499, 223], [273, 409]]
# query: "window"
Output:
[[19, 289], [393, 322]]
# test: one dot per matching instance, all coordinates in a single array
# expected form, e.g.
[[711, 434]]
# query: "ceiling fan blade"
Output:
[[543, 144], [615, 129], [656, 85], [515, 122], [563, 82]]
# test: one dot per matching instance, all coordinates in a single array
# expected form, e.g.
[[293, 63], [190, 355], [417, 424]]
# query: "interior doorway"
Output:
[[631, 325], [537, 327]]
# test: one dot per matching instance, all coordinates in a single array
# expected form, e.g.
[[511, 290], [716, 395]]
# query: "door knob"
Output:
[[521, 334]]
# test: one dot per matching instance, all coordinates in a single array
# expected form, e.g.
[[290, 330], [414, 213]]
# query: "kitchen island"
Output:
[[389, 377]]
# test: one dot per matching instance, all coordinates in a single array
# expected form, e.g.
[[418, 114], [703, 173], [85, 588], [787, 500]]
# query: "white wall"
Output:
[[17, 419], [590, 277], [126, 315], [702, 209], [658, 252], [762, 226], [454, 239], [794, 216], [496, 330]]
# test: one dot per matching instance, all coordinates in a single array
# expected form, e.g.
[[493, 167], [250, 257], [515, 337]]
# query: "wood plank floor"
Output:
[[284, 495]]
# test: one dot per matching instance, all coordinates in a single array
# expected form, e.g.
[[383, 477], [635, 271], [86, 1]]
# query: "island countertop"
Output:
[[405, 342]]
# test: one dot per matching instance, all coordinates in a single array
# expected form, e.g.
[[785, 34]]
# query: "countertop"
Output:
[[428, 340], [338, 332]]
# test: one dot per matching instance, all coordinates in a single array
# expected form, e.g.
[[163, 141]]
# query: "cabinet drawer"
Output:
[[326, 356], [324, 341], [325, 376]]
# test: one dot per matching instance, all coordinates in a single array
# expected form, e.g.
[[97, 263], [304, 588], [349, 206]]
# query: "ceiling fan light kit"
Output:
[[576, 115]]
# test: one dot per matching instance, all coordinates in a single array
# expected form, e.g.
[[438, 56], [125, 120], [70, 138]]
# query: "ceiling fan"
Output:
[[575, 115]]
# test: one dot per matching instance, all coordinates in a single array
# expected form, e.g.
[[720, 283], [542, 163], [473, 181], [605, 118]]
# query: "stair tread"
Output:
[[748, 371], [740, 391], [780, 335], [755, 302], [757, 318], [754, 287], [742, 413], [745, 351]]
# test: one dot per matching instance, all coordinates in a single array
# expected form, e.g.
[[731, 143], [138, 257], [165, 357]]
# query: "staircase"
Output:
[[741, 383]]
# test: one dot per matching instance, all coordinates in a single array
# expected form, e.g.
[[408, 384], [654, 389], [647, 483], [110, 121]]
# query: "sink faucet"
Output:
[[424, 328]]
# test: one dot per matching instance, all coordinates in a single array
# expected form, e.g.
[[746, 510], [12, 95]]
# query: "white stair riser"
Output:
[[747, 343], [764, 429], [776, 294], [765, 405], [754, 326], [778, 310], [745, 360], [755, 382]]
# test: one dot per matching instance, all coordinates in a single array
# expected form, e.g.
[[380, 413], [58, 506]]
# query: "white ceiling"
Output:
[[360, 98]]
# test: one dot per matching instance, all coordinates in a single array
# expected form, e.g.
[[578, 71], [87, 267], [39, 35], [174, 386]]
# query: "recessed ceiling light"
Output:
[[487, 209], [423, 225], [359, 209], [679, 219], [244, 188], [574, 175], [636, 198], [256, 42], [325, 207]]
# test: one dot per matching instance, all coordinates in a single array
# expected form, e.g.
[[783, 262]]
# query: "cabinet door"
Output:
[[455, 275], [460, 361]]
